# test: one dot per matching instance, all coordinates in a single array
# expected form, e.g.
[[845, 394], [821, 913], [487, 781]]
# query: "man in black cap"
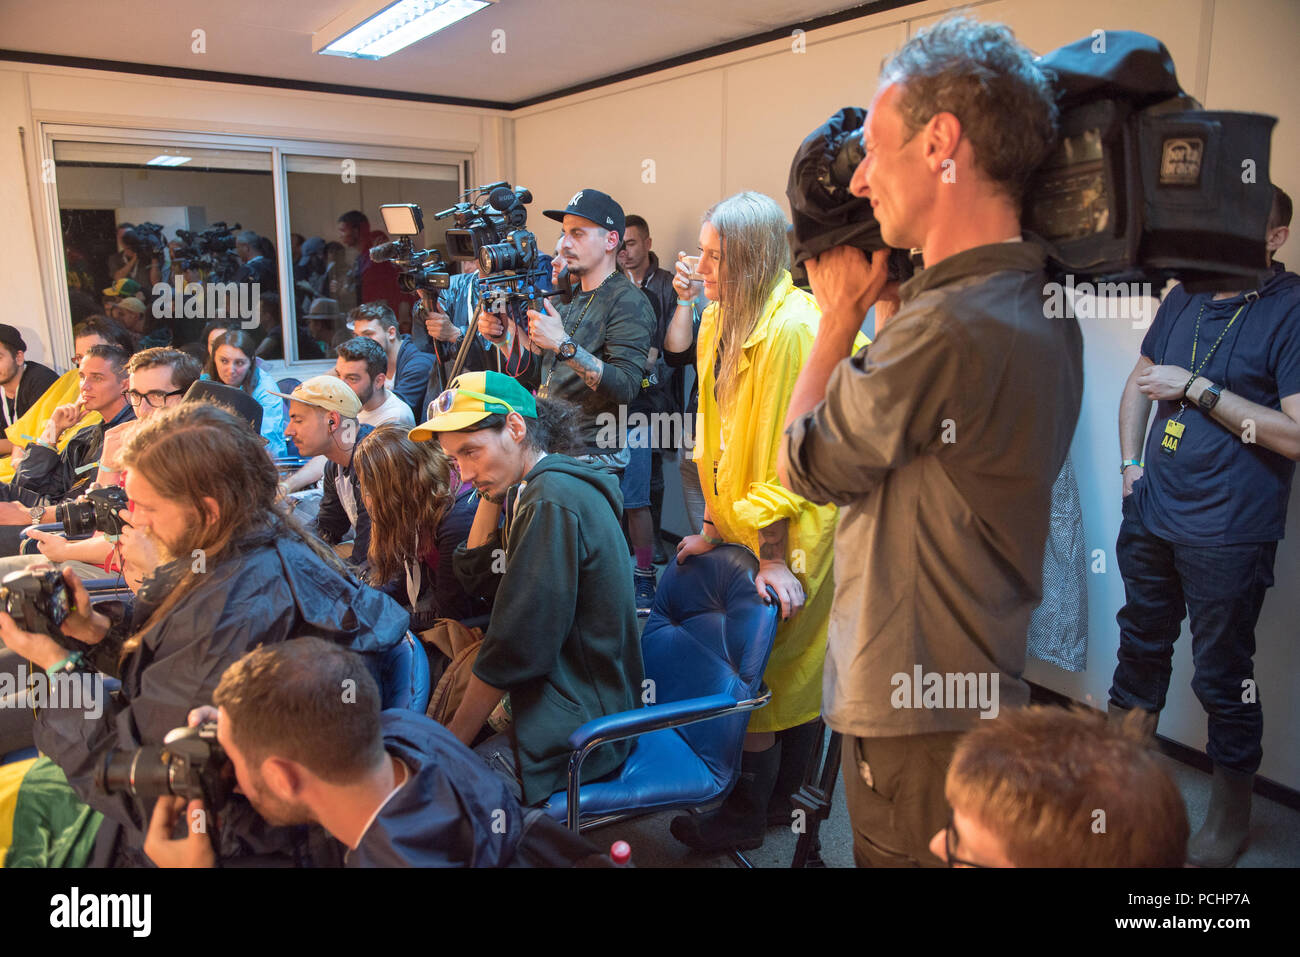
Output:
[[23, 382], [592, 351]]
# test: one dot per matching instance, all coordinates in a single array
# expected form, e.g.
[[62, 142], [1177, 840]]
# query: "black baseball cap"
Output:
[[12, 338], [592, 204]]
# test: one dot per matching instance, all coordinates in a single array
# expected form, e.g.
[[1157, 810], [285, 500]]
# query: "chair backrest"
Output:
[[286, 386], [402, 674], [710, 631]]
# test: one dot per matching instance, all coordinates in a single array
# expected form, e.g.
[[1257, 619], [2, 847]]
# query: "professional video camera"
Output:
[[420, 268], [514, 275], [39, 600], [145, 240], [189, 764], [211, 249], [1143, 185], [96, 511]]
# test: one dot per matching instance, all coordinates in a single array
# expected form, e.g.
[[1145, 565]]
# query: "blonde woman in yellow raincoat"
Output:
[[753, 339]]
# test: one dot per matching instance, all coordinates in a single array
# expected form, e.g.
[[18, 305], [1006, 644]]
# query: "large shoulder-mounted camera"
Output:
[[514, 275], [146, 240], [1142, 185], [211, 249]]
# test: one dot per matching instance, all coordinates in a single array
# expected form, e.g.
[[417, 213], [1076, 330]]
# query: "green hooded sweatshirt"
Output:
[[563, 638]]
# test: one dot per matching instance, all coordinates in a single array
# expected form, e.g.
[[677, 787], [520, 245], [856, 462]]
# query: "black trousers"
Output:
[[1222, 588]]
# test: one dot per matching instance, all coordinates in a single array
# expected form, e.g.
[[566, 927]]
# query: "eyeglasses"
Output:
[[442, 405], [950, 842], [156, 399]]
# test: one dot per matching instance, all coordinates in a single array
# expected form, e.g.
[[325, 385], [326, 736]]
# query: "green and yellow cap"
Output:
[[472, 397]]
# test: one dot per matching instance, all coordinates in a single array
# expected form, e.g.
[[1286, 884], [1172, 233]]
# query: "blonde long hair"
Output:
[[752, 230]]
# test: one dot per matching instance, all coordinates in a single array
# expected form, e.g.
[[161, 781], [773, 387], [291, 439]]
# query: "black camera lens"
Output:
[[142, 773]]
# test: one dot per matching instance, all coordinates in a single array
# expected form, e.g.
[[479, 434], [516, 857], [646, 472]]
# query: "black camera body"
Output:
[[211, 249], [490, 228], [96, 511], [146, 240], [189, 764], [38, 601]]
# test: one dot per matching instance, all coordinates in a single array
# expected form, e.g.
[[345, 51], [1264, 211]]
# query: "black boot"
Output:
[[796, 755], [1147, 720], [1223, 836], [740, 821]]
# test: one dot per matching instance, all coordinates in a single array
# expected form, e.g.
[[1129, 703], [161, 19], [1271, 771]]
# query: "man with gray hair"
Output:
[[258, 268], [940, 442]]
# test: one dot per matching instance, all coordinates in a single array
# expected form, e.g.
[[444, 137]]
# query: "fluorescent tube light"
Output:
[[166, 160], [397, 26]]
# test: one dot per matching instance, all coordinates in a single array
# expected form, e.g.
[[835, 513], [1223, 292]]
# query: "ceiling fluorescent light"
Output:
[[166, 160], [373, 30]]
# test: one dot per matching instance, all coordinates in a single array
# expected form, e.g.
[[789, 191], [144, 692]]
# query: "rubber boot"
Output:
[[742, 818], [1115, 717], [1223, 836], [796, 755]]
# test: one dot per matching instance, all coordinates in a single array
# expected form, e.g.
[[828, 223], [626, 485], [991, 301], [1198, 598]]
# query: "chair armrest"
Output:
[[670, 714]]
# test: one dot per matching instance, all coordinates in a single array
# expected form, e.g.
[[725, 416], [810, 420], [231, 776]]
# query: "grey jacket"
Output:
[[941, 442]]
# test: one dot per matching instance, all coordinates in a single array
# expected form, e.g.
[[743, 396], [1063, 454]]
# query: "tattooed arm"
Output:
[[771, 541], [588, 366], [773, 571]]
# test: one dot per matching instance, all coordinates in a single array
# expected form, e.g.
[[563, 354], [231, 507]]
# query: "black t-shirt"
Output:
[[36, 379], [1217, 489]]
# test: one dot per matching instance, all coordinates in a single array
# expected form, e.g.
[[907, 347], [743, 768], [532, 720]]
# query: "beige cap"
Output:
[[326, 392]]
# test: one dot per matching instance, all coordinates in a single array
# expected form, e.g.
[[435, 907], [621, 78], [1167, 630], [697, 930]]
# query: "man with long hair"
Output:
[[237, 573], [563, 639]]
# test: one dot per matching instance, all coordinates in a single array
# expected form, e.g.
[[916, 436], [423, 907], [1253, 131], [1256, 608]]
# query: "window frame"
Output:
[[50, 251]]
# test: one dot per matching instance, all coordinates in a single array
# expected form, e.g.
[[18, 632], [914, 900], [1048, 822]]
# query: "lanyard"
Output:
[[1197, 335]]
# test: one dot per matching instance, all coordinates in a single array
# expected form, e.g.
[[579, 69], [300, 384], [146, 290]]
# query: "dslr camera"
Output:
[[39, 601], [96, 511], [189, 764]]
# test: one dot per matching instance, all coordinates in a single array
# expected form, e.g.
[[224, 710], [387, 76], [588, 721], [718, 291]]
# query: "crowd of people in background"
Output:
[[336, 515]]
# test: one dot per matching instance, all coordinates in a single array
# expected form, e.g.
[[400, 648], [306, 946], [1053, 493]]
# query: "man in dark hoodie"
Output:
[[1203, 511], [562, 641]]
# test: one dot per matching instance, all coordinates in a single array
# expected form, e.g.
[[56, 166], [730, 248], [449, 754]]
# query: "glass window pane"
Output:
[[163, 217], [335, 220]]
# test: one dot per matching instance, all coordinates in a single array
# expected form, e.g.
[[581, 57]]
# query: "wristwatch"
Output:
[[1209, 397], [567, 349], [37, 512]]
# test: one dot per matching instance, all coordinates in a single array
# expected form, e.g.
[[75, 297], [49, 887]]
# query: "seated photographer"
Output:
[[362, 365], [592, 352], [159, 379], [45, 475], [409, 486], [407, 371], [395, 788], [1026, 790], [563, 639], [323, 421], [237, 573]]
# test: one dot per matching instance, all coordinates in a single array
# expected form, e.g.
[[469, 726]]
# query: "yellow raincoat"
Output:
[[64, 391], [736, 456]]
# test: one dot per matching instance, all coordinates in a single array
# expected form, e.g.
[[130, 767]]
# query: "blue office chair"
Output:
[[705, 648], [286, 386]]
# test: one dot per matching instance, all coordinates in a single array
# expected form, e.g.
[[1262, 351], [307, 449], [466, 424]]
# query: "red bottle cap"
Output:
[[620, 852]]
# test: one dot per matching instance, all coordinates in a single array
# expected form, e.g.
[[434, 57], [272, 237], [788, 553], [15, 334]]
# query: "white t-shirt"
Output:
[[393, 412]]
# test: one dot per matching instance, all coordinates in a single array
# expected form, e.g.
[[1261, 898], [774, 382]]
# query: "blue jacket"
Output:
[[452, 811]]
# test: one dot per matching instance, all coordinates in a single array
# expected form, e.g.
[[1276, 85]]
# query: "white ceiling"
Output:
[[551, 45]]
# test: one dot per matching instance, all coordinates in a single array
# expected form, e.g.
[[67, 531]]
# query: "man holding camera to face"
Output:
[[592, 351], [941, 441], [237, 573]]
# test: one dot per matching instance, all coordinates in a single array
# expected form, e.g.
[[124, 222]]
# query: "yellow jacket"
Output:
[[736, 455], [31, 422]]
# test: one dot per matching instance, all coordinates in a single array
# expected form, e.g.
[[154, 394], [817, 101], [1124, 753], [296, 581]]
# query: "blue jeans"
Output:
[[1222, 588]]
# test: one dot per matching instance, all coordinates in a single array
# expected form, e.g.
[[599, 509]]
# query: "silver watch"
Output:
[[37, 512]]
